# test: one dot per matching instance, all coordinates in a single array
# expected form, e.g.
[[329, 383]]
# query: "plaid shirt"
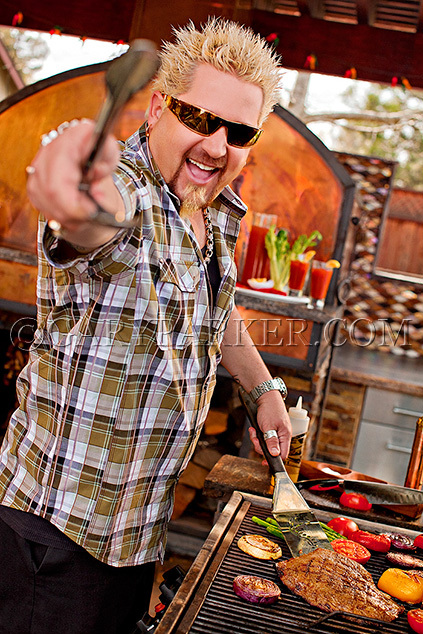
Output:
[[121, 372]]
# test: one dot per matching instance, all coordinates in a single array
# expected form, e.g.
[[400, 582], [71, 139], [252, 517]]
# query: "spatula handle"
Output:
[[275, 462]]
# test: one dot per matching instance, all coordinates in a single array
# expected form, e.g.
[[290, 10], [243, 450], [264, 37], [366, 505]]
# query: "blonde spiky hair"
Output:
[[228, 47]]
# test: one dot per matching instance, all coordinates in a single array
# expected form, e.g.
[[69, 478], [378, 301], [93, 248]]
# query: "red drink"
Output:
[[320, 280], [257, 263], [297, 275]]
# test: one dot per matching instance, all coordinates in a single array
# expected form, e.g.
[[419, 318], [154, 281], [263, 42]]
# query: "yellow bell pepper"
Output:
[[404, 585]]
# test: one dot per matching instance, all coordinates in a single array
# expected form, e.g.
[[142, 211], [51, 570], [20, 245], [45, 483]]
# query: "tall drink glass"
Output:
[[297, 274], [321, 275], [257, 263]]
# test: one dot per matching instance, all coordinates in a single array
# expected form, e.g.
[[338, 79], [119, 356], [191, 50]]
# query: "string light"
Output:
[[56, 30], [17, 19], [351, 73], [401, 82], [273, 39], [311, 62]]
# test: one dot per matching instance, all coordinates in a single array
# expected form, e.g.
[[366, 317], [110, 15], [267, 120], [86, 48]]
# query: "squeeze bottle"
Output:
[[299, 421]]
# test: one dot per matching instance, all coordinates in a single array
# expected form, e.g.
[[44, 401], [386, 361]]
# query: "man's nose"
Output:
[[216, 144]]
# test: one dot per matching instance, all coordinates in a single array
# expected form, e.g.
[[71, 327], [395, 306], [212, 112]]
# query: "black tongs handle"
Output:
[[126, 75], [275, 462]]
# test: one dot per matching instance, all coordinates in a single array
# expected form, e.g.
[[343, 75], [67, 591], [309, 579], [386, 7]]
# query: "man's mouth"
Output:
[[200, 172]]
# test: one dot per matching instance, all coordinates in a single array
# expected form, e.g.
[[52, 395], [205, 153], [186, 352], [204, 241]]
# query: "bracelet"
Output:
[[53, 134], [267, 386]]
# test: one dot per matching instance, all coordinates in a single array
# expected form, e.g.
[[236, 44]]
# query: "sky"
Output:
[[68, 52]]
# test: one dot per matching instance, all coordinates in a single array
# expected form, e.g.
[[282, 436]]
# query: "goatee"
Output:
[[195, 198]]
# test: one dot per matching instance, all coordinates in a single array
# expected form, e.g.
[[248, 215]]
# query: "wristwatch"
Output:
[[266, 386]]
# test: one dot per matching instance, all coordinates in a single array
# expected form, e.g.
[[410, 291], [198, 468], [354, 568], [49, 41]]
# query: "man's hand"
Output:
[[272, 414], [53, 184]]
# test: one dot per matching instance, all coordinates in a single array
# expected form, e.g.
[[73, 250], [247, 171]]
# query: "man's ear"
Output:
[[156, 108]]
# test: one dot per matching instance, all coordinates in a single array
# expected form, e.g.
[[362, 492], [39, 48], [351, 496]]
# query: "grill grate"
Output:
[[222, 612]]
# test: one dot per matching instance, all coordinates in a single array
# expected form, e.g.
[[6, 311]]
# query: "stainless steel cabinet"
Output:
[[386, 434]]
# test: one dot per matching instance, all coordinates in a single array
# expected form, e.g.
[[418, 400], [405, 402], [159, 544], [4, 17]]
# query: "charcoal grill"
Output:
[[206, 604]]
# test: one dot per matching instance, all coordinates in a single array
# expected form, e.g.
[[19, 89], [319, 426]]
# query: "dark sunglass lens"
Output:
[[241, 135], [194, 118], [205, 123]]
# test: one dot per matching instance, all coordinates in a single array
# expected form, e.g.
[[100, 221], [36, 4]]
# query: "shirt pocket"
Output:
[[176, 290]]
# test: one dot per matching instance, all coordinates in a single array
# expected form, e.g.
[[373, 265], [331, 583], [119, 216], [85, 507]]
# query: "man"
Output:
[[131, 326]]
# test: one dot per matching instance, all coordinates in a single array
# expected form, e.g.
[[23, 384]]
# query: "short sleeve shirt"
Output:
[[121, 371]]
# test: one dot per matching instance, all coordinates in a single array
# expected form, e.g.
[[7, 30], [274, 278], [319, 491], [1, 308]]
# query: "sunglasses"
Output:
[[206, 123]]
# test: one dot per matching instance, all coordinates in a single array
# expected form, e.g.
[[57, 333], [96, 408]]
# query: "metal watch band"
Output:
[[267, 386]]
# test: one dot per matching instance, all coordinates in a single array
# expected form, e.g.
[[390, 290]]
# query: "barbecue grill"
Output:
[[206, 604]]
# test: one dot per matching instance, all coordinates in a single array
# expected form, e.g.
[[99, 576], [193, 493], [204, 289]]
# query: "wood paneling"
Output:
[[377, 54], [326, 29], [42, 108], [21, 128], [395, 253], [276, 334], [18, 282]]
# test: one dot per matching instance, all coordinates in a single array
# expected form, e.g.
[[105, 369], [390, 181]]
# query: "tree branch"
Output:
[[390, 118]]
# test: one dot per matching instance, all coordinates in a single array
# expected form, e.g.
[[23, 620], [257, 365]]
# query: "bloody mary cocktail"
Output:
[[297, 275], [321, 275], [257, 263]]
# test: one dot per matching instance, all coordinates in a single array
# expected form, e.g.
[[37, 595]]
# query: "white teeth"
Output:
[[202, 166]]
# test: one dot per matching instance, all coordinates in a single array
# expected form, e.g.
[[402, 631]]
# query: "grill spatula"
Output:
[[301, 530]]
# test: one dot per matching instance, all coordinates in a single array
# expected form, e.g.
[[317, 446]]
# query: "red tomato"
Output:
[[355, 501], [350, 549], [418, 541], [379, 543], [415, 620], [343, 526]]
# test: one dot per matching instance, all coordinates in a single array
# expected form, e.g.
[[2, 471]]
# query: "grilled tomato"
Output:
[[351, 549], [415, 620], [379, 543]]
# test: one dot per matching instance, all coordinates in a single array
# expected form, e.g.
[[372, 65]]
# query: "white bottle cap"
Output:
[[299, 418]]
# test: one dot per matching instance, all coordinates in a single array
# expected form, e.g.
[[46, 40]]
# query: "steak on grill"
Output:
[[331, 582]]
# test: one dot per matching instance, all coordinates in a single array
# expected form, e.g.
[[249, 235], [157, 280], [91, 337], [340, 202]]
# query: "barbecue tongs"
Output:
[[125, 76]]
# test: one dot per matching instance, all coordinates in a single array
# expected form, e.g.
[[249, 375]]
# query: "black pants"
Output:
[[45, 590]]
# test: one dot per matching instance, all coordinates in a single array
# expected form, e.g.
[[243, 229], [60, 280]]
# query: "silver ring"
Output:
[[272, 433], [30, 170]]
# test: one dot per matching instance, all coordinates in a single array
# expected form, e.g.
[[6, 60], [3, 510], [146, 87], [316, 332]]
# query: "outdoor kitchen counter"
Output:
[[382, 370], [371, 396], [232, 473]]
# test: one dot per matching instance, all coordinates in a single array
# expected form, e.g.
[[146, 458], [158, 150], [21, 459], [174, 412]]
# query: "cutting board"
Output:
[[329, 500]]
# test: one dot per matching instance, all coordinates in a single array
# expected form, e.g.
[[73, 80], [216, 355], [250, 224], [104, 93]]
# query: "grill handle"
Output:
[[275, 462]]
